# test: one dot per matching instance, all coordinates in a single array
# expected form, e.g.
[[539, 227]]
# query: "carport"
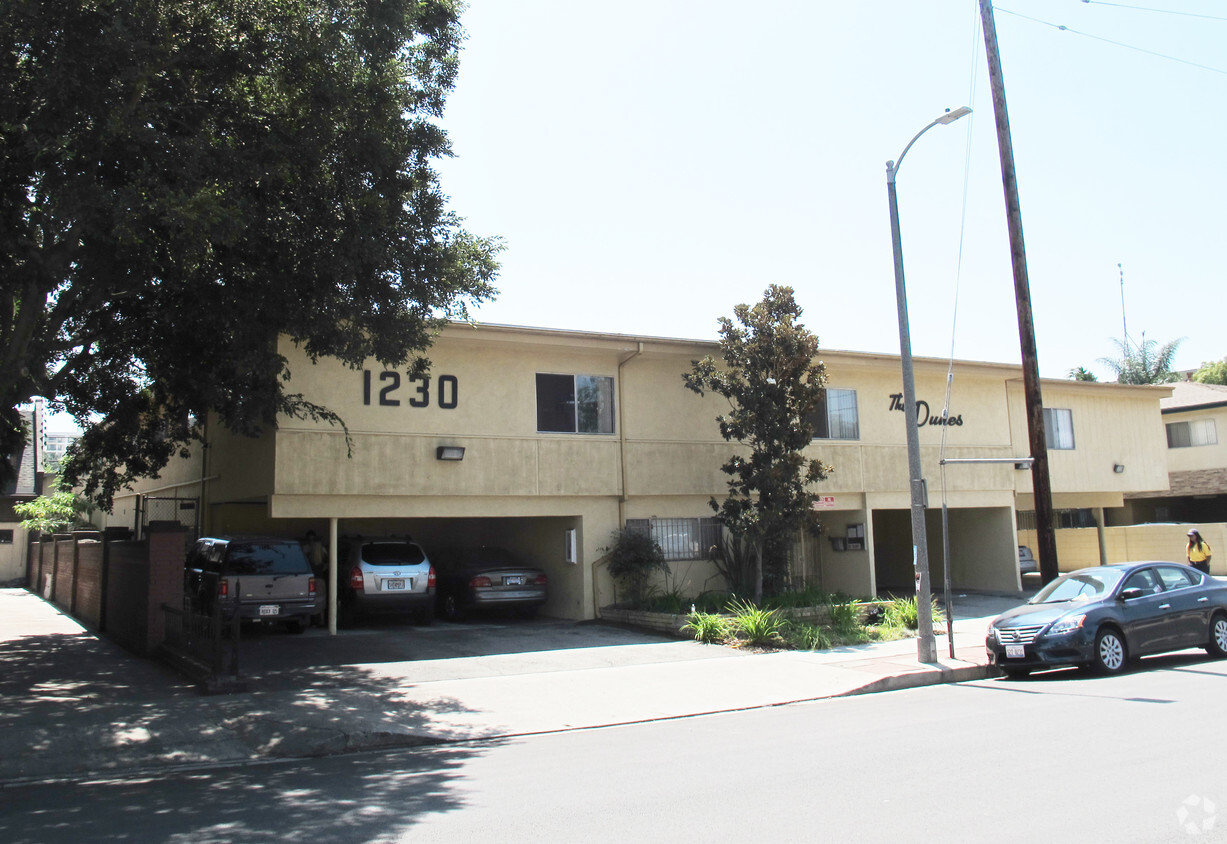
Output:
[[983, 549], [549, 542]]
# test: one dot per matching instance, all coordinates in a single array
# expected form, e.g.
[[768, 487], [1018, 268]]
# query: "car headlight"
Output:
[[1065, 625]]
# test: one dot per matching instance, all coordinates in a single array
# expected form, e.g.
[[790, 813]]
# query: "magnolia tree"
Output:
[[774, 385]]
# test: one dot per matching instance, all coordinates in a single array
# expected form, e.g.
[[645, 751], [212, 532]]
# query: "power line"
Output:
[[1156, 11], [1064, 28]]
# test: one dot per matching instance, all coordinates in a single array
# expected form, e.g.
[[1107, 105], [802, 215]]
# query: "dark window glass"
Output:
[[556, 403], [392, 554], [570, 404], [266, 558]]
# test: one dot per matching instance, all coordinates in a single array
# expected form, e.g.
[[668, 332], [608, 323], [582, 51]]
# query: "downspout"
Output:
[[622, 497], [622, 494]]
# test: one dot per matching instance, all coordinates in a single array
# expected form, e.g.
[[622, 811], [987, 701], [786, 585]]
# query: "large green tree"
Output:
[[774, 384], [184, 181], [1144, 363], [1214, 372]]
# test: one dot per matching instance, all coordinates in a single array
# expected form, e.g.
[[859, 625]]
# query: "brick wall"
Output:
[[87, 585], [127, 598]]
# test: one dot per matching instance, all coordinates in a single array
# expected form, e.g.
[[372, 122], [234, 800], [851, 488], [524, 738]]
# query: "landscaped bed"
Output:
[[796, 621]]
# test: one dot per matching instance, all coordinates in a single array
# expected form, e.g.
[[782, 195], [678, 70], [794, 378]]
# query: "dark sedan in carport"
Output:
[[1104, 616], [487, 578]]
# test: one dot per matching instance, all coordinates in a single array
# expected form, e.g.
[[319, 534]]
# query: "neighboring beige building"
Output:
[[567, 436], [1196, 491], [27, 485]]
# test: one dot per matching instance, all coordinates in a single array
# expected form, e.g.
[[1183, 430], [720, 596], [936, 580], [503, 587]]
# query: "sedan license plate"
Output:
[[1015, 652], [516, 580], [394, 585], [270, 609]]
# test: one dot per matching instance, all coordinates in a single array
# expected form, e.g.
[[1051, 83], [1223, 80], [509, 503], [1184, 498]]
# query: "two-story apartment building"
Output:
[[546, 441]]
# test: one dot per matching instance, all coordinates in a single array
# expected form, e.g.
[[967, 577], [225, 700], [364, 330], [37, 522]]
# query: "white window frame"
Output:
[[836, 403], [1059, 428], [1191, 433], [606, 419]]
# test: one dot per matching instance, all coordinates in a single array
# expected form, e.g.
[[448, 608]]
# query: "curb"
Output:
[[937, 675]]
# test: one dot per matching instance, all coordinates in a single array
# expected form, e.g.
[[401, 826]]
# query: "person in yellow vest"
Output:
[[1198, 552]]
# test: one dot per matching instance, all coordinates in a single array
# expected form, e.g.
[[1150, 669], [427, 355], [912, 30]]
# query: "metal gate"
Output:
[[184, 511]]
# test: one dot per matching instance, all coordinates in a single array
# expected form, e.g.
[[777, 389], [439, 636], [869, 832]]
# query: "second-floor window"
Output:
[[1191, 433], [836, 416], [575, 404], [1059, 428]]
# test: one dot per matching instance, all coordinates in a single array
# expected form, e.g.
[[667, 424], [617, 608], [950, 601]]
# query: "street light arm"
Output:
[[892, 167]]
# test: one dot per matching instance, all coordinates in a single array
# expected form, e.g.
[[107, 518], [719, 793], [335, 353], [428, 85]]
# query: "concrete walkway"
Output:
[[74, 705]]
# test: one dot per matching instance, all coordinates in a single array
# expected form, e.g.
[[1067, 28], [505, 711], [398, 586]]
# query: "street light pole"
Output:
[[926, 646]]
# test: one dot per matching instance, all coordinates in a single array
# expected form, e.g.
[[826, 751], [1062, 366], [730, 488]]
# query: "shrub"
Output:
[[846, 617], [707, 627], [806, 637], [756, 625], [903, 612], [632, 559], [734, 559]]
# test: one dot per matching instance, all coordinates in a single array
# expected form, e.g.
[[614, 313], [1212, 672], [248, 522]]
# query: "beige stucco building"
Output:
[[1197, 459], [568, 435]]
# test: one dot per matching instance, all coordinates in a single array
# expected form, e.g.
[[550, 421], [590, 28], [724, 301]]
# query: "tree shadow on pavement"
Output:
[[365, 797], [72, 704]]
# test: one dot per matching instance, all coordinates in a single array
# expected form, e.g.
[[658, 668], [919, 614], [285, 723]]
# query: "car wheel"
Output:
[[1111, 653], [295, 626], [451, 608], [1217, 646]]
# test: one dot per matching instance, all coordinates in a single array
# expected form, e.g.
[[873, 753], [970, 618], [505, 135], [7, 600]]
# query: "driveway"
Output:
[[495, 646]]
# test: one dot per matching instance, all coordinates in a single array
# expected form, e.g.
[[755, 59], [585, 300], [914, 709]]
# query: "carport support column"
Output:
[[1103, 539], [332, 577]]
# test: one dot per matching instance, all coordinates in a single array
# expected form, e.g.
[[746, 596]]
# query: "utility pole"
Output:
[[1041, 485]]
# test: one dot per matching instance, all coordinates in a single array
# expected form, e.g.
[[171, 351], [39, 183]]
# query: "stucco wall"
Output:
[[1079, 547], [1113, 424]]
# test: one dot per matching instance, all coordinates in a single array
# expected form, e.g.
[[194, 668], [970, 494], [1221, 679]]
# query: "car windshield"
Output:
[[266, 558], [392, 554], [1083, 586]]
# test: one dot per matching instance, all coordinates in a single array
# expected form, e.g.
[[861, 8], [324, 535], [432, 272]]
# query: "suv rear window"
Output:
[[392, 554], [266, 558]]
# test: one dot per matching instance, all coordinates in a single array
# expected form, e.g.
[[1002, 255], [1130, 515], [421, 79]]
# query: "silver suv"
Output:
[[385, 575], [260, 578]]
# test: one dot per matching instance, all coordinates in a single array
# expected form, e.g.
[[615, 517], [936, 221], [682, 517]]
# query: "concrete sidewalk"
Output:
[[75, 705]]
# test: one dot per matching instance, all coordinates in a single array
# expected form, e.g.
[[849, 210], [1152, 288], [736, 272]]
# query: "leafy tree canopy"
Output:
[[774, 387], [1082, 374], [57, 511], [1214, 372], [184, 181], [1145, 363]]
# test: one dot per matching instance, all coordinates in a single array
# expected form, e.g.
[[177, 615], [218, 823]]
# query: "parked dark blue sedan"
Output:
[[1102, 617]]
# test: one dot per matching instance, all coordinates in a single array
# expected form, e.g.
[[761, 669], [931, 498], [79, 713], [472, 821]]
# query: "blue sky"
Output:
[[652, 164]]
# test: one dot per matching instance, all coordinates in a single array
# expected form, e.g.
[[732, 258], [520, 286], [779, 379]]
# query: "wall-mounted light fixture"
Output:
[[449, 452], [1118, 468]]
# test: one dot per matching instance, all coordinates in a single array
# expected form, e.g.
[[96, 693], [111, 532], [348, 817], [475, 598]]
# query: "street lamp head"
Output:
[[951, 116]]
